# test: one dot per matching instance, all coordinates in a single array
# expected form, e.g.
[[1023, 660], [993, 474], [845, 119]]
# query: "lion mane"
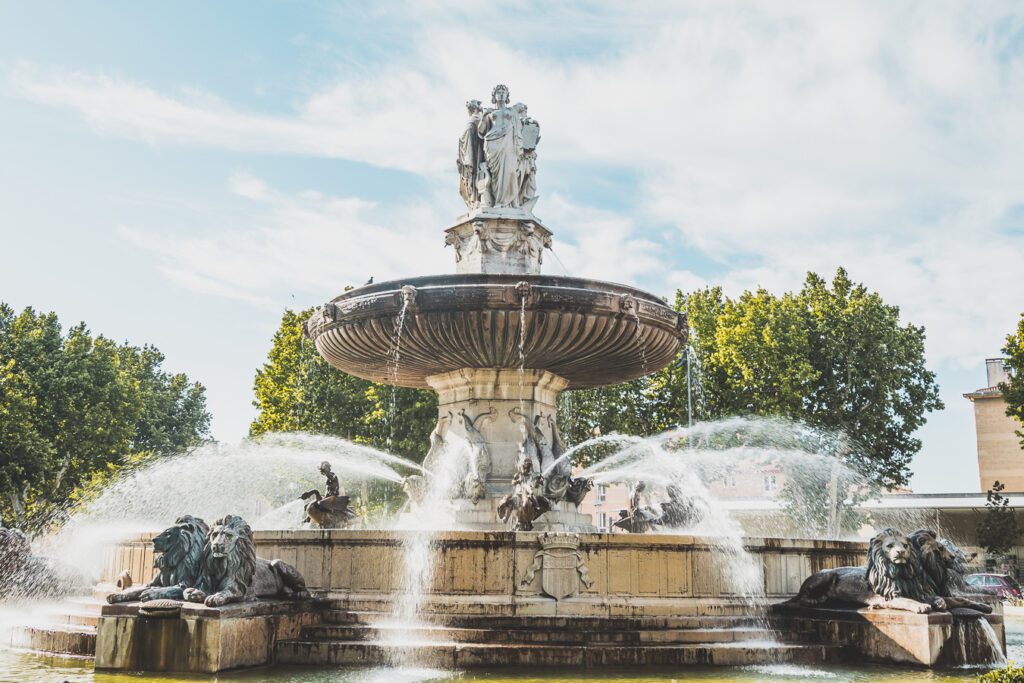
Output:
[[231, 572], [238, 565], [178, 563], [891, 580], [945, 566], [882, 583]]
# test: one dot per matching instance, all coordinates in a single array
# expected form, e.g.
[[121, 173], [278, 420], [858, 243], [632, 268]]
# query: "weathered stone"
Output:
[[883, 635]]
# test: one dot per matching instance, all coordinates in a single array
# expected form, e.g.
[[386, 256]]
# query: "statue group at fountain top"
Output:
[[543, 475], [497, 159], [213, 565], [332, 509], [645, 514], [919, 573]]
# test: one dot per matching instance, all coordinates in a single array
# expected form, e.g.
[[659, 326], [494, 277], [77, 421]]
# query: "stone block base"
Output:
[[483, 516], [939, 639], [201, 640]]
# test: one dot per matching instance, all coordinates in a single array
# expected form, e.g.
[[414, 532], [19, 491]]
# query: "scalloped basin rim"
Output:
[[470, 279], [588, 332]]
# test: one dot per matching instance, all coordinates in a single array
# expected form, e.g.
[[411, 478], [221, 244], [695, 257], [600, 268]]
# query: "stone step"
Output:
[[550, 623], [464, 655], [501, 606], [449, 634], [66, 639]]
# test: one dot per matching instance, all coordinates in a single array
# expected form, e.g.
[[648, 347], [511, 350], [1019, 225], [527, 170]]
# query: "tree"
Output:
[[1013, 390], [75, 404], [834, 356], [297, 390], [998, 531]]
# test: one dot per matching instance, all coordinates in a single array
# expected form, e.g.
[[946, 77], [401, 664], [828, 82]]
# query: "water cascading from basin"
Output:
[[432, 513]]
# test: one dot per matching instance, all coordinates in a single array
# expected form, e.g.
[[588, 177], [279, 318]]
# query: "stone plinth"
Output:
[[477, 391], [482, 573], [893, 636], [501, 241], [201, 639]]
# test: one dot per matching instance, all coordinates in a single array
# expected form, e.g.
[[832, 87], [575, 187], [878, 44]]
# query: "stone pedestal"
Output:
[[502, 241], [493, 399], [892, 636], [199, 640], [499, 392]]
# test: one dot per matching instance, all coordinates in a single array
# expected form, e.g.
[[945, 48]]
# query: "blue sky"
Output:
[[178, 173]]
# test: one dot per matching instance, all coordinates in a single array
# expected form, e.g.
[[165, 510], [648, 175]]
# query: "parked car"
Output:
[[1002, 585]]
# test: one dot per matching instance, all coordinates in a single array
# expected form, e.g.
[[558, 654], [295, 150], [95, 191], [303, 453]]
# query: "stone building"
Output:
[[999, 450]]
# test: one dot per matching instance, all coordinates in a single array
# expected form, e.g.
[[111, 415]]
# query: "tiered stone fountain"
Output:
[[498, 341]]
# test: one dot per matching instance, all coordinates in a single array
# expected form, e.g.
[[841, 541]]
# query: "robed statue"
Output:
[[498, 155]]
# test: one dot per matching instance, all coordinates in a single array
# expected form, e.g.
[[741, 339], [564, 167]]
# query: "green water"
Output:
[[25, 668]]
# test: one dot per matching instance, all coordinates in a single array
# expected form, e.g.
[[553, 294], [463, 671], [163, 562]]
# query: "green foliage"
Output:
[[1008, 674], [73, 405], [1013, 391], [998, 530], [833, 355], [297, 390]]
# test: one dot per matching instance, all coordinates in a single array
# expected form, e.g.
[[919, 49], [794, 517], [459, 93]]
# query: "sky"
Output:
[[179, 173]]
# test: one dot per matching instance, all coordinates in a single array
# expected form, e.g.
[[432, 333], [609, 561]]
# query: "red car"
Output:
[[995, 584]]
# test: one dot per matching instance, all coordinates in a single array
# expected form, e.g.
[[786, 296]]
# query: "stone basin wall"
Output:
[[483, 572]]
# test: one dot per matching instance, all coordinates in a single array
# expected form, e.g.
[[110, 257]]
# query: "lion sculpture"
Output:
[[178, 564], [231, 572], [893, 578], [945, 570]]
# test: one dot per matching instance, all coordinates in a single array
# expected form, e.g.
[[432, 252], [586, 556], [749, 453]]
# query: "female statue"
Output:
[[502, 131]]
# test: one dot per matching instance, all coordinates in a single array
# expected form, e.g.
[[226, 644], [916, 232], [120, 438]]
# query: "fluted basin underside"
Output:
[[590, 333]]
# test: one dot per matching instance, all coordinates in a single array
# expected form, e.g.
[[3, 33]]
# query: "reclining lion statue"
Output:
[[178, 564], [231, 572], [893, 578], [945, 570]]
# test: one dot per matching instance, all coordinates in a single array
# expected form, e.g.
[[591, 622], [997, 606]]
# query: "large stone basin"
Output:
[[587, 332]]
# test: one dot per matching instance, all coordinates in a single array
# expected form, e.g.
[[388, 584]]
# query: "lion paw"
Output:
[[215, 600], [923, 608], [194, 595], [939, 604]]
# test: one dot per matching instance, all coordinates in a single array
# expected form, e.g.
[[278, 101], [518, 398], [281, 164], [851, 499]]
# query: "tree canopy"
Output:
[[1013, 390], [297, 390], [832, 355], [73, 405]]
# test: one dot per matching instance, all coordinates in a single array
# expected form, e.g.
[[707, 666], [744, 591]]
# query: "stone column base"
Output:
[[484, 517]]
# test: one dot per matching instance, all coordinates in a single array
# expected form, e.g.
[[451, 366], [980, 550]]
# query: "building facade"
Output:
[[1000, 457]]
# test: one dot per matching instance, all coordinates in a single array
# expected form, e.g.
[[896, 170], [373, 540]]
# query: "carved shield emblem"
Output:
[[531, 134], [560, 564], [559, 577]]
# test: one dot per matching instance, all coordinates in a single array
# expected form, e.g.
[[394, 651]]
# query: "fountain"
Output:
[[493, 564]]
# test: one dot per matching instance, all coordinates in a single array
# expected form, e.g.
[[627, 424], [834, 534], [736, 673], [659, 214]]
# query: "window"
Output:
[[602, 522], [602, 493], [769, 483], [729, 481]]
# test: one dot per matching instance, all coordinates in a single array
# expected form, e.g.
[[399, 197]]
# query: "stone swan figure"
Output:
[[893, 578]]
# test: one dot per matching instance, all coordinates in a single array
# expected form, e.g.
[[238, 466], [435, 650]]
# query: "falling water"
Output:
[[395, 365], [639, 338], [522, 349], [250, 479], [434, 513], [995, 647]]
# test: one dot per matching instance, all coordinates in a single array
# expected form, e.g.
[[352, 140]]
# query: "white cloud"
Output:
[[883, 137], [304, 244]]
